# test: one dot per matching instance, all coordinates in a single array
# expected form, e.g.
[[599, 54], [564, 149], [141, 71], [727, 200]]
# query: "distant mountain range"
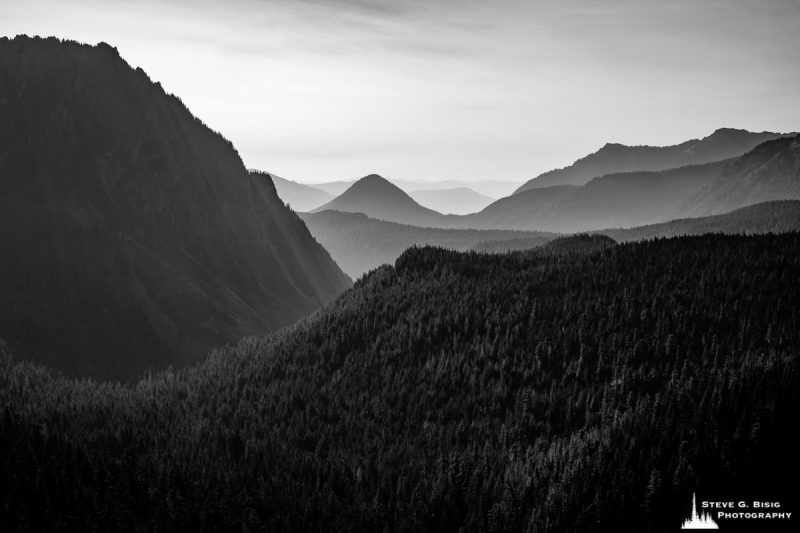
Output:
[[378, 198], [492, 188], [615, 200], [768, 217], [458, 201], [298, 196], [334, 188], [771, 171], [613, 158], [131, 235], [358, 243]]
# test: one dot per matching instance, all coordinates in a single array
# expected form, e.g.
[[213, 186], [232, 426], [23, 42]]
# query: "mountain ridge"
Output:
[[359, 243], [133, 237], [613, 158], [769, 217], [770, 171]]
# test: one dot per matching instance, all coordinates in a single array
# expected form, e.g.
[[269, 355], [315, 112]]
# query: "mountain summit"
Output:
[[614, 158], [131, 235], [378, 198]]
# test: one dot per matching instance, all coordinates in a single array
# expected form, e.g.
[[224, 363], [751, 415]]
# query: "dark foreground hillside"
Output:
[[131, 235], [452, 392]]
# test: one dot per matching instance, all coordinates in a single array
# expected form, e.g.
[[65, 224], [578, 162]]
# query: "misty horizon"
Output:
[[337, 89]]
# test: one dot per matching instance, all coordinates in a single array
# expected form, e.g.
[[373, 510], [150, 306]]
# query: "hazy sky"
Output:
[[316, 90]]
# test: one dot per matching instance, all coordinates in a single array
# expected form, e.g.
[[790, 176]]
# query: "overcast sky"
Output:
[[317, 90]]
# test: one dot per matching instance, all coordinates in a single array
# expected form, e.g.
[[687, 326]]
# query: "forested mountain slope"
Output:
[[556, 392], [131, 235]]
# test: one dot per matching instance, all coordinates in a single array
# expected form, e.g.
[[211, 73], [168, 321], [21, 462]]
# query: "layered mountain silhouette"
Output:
[[493, 188], [768, 217], [458, 201], [487, 187], [334, 188], [724, 143], [299, 196], [378, 198], [131, 235], [519, 210], [771, 171], [359, 244], [615, 200]]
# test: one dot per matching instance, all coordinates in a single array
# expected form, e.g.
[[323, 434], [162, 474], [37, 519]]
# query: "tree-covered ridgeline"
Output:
[[564, 391]]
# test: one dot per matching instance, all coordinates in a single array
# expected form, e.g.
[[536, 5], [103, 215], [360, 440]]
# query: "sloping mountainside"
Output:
[[377, 198], [615, 200], [298, 196], [451, 392], [518, 211], [770, 172], [613, 158], [358, 243], [768, 217], [131, 235], [458, 201]]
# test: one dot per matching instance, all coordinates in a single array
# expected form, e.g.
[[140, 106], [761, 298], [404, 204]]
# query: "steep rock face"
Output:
[[614, 158], [131, 234]]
